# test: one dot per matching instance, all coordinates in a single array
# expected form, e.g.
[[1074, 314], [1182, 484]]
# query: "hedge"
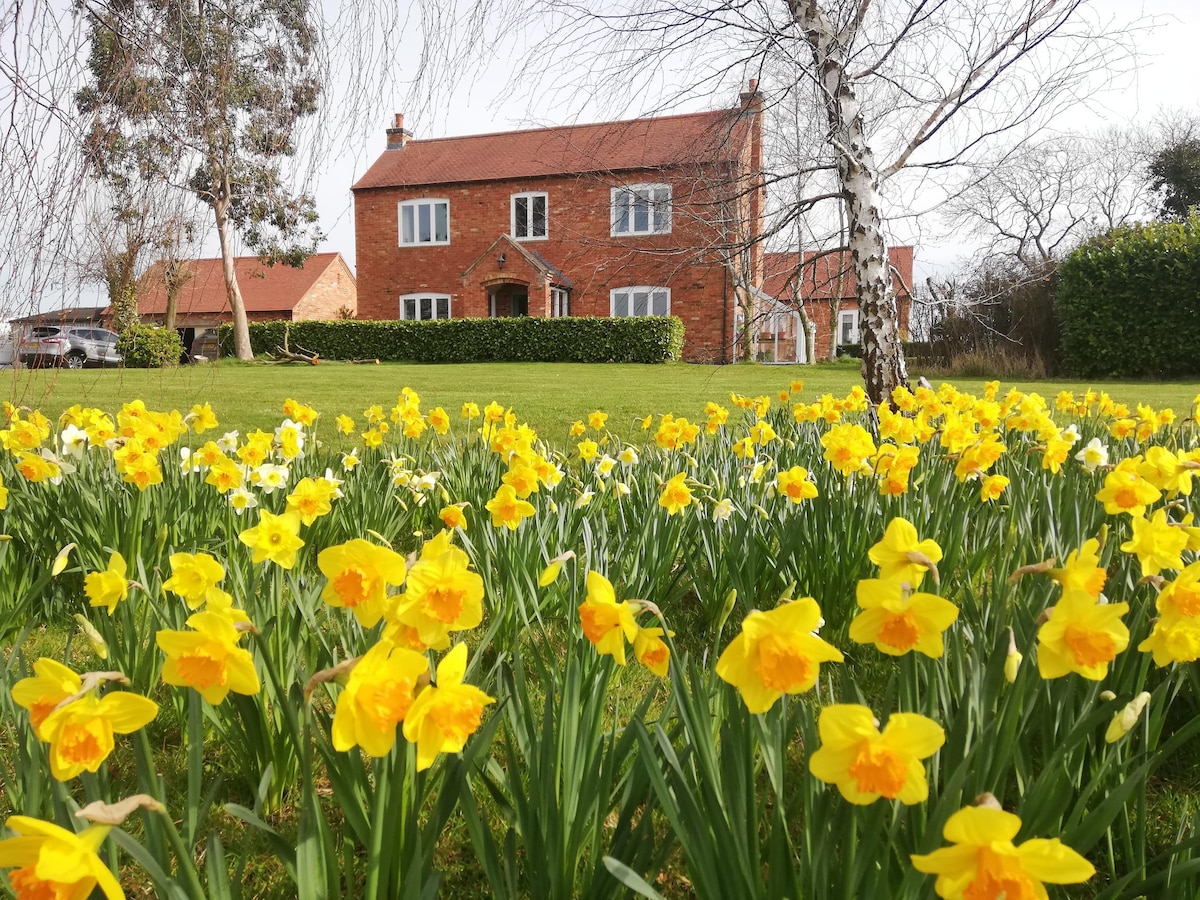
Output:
[[641, 339], [1130, 303], [145, 346]]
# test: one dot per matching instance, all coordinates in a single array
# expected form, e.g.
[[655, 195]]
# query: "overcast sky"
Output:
[[1165, 78]]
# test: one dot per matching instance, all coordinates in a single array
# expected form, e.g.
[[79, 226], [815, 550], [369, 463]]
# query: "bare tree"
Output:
[[1035, 203]]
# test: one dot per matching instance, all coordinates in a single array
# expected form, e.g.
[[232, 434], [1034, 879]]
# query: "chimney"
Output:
[[752, 98], [398, 136]]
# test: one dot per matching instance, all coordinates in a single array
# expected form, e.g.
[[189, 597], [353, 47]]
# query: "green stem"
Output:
[[379, 824], [186, 865]]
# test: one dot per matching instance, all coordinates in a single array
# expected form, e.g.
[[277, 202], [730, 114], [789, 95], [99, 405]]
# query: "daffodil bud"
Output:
[[94, 637], [1125, 720], [1107, 696], [60, 561], [550, 573], [1013, 662], [726, 609]]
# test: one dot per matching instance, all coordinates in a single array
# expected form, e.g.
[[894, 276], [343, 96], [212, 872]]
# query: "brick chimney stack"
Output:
[[398, 136]]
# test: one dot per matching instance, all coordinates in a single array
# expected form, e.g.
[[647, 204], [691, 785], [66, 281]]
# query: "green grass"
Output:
[[547, 395]]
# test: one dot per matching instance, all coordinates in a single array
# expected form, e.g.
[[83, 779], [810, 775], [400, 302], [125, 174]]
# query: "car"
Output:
[[69, 346]]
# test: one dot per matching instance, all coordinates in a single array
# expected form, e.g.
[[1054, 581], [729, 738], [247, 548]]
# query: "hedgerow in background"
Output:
[[463, 658], [1129, 302], [145, 346], [582, 339]]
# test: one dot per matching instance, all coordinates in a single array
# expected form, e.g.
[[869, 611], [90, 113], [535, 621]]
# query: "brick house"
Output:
[[324, 288], [816, 279], [642, 217]]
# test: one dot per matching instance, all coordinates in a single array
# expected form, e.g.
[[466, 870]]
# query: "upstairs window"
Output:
[[424, 222], [418, 307], [641, 209], [529, 216], [641, 301]]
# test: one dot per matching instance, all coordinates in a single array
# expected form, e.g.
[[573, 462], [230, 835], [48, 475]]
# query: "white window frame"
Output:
[[415, 206], [650, 291], [852, 316], [434, 301], [656, 208], [530, 197], [560, 303]]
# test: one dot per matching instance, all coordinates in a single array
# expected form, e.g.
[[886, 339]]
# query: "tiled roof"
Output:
[[651, 143], [818, 275], [275, 288], [76, 315]]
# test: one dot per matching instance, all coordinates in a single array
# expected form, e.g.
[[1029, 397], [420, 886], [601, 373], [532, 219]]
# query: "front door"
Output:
[[519, 305]]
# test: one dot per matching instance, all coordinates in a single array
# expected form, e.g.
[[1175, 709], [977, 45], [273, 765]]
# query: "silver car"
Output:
[[72, 347]]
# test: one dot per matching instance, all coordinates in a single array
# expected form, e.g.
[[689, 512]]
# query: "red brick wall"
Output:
[[818, 312], [331, 296], [579, 245]]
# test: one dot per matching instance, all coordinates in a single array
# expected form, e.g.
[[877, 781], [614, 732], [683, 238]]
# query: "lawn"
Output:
[[547, 395]]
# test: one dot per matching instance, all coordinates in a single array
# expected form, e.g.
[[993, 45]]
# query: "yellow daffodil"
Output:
[[1082, 570], [984, 862], [676, 495], [1156, 543], [1081, 635], [901, 556], [49, 862], [991, 487], [274, 538], [776, 653], [507, 509], [607, 624], [596, 420], [441, 594], [358, 574], [897, 620], [867, 764], [793, 483], [1173, 640], [847, 447], [195, 577], [208, 658], [311, 499], [453, 516], [109, 587], [652, 651], [80, 734], [202, 418], [51, 683], [445, 714], [1126, 491], [377, 697]]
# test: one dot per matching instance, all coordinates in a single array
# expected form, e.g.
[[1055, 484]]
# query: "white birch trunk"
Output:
[[883, 357]]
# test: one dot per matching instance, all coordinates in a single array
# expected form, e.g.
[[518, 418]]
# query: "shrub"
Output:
[[149, 347], [1130, 303], [644, 339]]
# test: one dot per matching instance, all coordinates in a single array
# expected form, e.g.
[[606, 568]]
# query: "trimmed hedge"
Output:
[[641, 339], [149, 347], [1130, 303]]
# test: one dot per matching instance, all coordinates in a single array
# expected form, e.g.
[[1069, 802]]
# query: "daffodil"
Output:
[[448, 712], [507, 509], [274, 538], [901, 556], [676, 495], [1157, 543], [108, 587], [897, 620], [40, 693], [1126, 491], [1082, 570], [358, 574], [80, 733], [311, 499], [1081, 635], [607, 624], [47, 861], [208, 658], [867, 764], [984, 862], [377, 697], [441, 594], [1173, 640], [194, 577], [794, 484], [453, 516], [776, 653], [651, 650]]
